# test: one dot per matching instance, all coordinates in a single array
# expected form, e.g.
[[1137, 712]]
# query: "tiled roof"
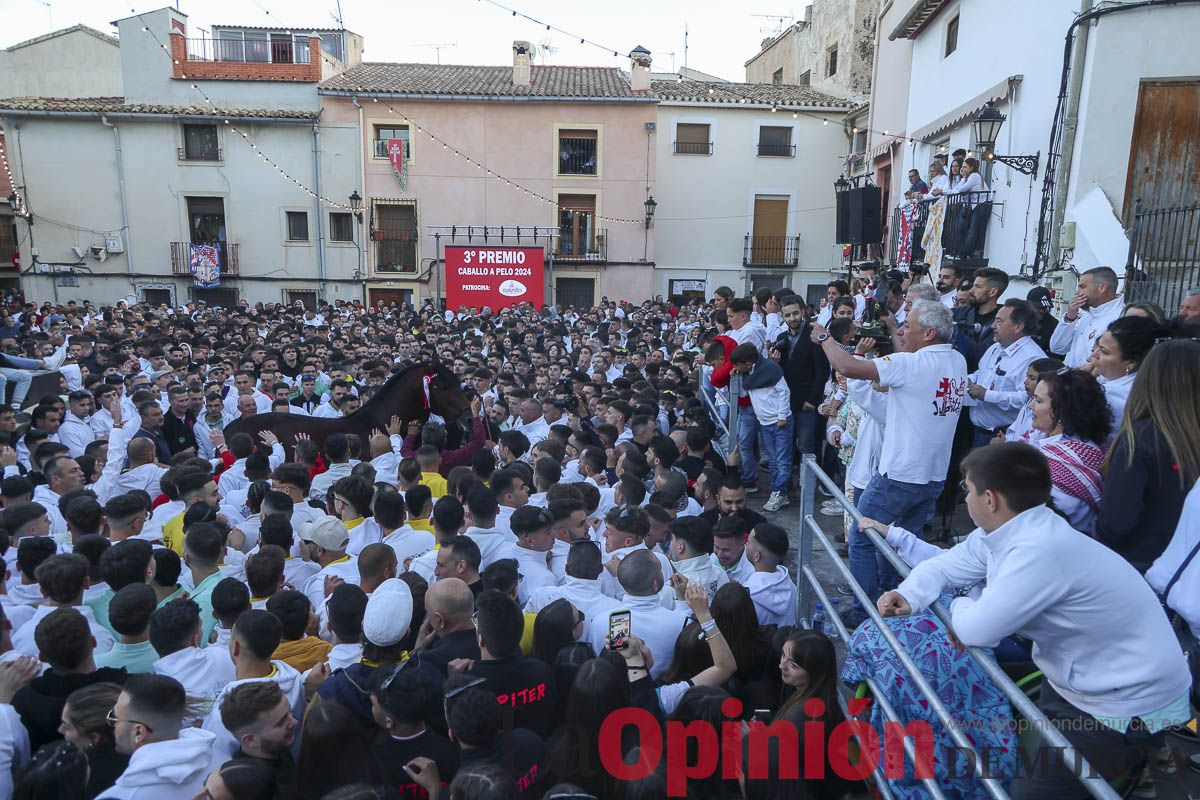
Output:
[[453, 80], [55, 34], [117, 105], [735, 93]]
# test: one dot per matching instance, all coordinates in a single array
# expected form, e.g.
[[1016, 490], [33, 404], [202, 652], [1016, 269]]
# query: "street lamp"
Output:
[[987, 124], [841, 184], [651, 205], [356, 206]]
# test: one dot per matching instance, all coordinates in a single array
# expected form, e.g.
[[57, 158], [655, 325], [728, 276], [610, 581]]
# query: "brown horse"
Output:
[[402, 395]]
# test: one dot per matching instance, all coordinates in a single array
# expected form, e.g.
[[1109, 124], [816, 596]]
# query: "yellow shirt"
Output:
[[435, 482], [173, 534], [527, 635], [421, 524]]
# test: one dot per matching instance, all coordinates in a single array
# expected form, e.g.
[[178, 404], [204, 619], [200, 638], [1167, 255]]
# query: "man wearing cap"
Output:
[[1039, 297], [326, 539]]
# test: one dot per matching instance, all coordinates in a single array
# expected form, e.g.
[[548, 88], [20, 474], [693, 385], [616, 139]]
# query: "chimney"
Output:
[[522, 54], [639, 69]]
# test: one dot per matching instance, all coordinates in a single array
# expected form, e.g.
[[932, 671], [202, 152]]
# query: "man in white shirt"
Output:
[[641, 581], [326, 539], [244, 387], [494, 543], [581, 585], [743, 329], [532, 423], [75, 432], [531, 526], [1078, 331], [833, 290], [175, 635], [1111, 663], [770, 586], [63, 475], [235, 477], [927, 383], [337, 455], [996, 391], [948, 279]]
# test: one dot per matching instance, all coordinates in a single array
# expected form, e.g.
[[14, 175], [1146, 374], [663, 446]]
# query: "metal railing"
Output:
[[199, 153], [572, 247], [810, 590], [777, 150], [964, 228], [726, 424], [1164, 256], [694, 148], [771, 251], [576, 155], [248, 52], [181, 263]]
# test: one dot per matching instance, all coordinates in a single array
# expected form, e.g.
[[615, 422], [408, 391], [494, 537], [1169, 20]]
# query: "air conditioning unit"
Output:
[[78, 251], [98, 252]]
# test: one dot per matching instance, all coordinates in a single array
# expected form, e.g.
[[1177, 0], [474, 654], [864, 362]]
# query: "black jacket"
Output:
[[460, 644], [805, 368], [178, 433], [1141, 503], [105, 765], [40, 704]]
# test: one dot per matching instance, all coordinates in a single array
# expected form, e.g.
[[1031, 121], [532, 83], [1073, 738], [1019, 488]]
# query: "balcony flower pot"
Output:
[[377, 236]]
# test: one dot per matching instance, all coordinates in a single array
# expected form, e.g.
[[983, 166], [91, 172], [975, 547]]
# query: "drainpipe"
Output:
[[361, 165], [1070, 126], [316, 129], [126, 231]]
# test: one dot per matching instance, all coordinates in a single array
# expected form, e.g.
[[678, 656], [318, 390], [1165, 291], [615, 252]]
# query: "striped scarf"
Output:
[[1075, 469]]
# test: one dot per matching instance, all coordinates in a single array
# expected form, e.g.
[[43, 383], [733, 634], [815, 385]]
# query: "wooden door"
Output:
[[769, 243], [1164, 158]]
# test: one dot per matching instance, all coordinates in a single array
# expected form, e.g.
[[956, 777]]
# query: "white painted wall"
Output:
[[70, 169], [75, 64], [995, 41], [706, 203], [1152, 44]]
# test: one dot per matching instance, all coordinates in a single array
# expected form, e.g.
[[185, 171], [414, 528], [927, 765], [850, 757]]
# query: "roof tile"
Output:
[[117, 105], [735, 93], [463, 80]]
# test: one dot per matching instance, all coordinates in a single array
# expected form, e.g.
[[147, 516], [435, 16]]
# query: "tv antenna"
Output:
[[438, 48], [781, 22], [545, 48]]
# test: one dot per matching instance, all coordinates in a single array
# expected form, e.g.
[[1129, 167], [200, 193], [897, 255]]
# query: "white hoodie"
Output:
[[289, 681], [774, 596], [203, 671], [494, 545], [175, 768], [534, 571], [23, 641], [408, 542], [705, 570]]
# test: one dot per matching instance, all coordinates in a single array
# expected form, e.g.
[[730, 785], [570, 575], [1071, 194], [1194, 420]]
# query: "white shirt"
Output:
[[23, 641], [752, 332], [49, 501], [535, 431], [584, 594], [1116, 392], [1002, 373], [407, 542], [1074, 340], [324, 482], [534, 570], [1185, 594], [494, 544], [345, 568], [925, 399], [202, 429], [203, 671], [235, 477], [1100, 636], [658, 627], [75, 433]]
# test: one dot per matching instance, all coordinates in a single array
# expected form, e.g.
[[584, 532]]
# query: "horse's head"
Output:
[[447, 401]]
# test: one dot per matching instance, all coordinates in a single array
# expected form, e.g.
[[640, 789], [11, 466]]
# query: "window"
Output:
[[777, 77], [576, 226], [382, 135], [306, 297], [577, 152], [200, 143], [860, 141], [805, 78], [952, 35], [831, 62], [297, 226], [693, 138], [775, 140], [331, 45], [394, 231], [341, 227]]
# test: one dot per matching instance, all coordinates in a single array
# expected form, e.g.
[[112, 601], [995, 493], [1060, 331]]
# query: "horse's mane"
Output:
[[376, 398]]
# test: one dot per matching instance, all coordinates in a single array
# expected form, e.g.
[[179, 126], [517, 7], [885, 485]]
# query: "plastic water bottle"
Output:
[[818, 618], [830, 628]]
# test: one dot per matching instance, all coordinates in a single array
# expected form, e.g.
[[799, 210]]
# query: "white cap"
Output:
[[388, 614], [326, 532]]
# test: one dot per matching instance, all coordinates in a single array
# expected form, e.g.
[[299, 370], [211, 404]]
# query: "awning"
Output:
[[917, 18], [953, 119]]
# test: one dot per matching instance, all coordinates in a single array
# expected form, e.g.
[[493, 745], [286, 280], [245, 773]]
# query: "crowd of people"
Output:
[[193, 611]]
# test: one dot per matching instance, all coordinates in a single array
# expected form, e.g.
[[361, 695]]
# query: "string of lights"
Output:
[[18, 201], [711, 86]]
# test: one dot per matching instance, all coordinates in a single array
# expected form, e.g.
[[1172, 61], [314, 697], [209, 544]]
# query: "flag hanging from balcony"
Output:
[[397, 150], [205, 260]]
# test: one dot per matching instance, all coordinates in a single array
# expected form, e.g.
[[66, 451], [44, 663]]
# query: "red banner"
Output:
[[395, 150], [494, 276]]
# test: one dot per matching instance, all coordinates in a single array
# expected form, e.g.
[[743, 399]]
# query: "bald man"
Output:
[[144, 473], [448, 632]]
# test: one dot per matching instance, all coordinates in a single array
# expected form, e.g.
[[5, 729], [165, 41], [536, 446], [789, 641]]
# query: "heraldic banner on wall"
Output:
[[205, 260]]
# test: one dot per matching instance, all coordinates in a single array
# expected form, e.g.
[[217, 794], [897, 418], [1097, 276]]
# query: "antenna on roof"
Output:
[[49, 12], [437, 48], [545, 48], [337, 16], [781, 22]]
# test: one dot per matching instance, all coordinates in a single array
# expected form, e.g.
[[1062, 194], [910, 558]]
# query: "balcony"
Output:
[[579, 248], [694, 148], [777, 150], [771, 251], [964, 230], [181, 263], [248, 52], [199, 153]]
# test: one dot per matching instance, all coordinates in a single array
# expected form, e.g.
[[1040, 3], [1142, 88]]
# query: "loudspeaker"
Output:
[[842, 234], [863, 212]]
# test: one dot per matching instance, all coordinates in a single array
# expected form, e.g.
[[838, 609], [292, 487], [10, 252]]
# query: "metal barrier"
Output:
[[811, 590], [726, 427]]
